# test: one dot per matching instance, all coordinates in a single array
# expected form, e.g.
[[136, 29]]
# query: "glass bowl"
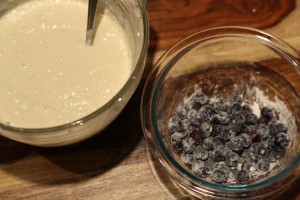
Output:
[[132, 15], [225, 61]]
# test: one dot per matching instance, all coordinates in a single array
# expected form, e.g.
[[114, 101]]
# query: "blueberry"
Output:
[[218, 105], [218, 154], [228, 133], [251, 119], [222, 118], [246, 165], [198, 167], [216, 130], [182, 111], [196, 137], [218, 141], [247, 140], [220, 165], [232, 160], [243, 177], [175, 125], [246, 110], [193, 127], [236, 143], [219, 175], [276, 153], [266, 114], [188, 158], [205, 129], [257, 152], [202, 115], [282, 140], [207, 108], [176, 139], [200, 153], [208, 143], [236, 121], [270, 141], [255, 135], [263, 165], [276, 128], [201, 98], [236, 107], [192, 116], [263, 131], [207, 168], [197, 100], [188, 145]]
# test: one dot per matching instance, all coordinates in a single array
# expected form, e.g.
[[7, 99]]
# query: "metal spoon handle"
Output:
[[90, 21]]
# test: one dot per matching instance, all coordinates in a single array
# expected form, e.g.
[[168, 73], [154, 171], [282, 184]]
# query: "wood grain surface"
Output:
[[116, 163]]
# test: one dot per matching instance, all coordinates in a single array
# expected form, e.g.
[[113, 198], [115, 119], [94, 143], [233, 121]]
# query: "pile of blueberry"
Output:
[[221, 139]]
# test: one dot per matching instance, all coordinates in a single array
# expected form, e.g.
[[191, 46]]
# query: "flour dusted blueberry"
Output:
[[282, 140], [246, 110], [208, 143], [187, 158], [276, 128], [203, 115], [176, 140], [243, 177], [219, 175], [266, 115], [216, 130], [219, 154], [218, 141], [263, 165], [247, 140], [192, 116], [257, 152], [251, 119], [276, 153], [263, 131], [232, 159], [221, 118], [236, 107], [254, 134], [228, 133], [197, 100], [236, 143], [236, 121], [182, 111], [198, 167], [196, 137], [200, 153], [218, 105], [175, 125], [188, 145], [246, 165], [201, 98], [205, 129]]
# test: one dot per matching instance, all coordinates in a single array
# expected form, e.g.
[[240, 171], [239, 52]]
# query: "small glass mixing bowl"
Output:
[[224, 61], [132, 15]]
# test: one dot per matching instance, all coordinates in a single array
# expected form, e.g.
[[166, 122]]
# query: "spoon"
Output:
[[90, 22]]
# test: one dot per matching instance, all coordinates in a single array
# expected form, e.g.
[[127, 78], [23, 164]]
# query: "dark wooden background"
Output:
[[116, 164]]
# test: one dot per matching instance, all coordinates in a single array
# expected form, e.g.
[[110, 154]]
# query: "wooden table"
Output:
[[116, 163]]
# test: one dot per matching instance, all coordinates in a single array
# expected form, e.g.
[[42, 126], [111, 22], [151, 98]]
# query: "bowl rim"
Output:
[[161, 153], [136, 74]]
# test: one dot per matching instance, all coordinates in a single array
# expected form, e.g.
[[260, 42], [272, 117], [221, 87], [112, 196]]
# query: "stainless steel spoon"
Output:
[[90, 22]]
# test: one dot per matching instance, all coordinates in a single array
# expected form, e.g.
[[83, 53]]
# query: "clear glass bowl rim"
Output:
[[226, 31]]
